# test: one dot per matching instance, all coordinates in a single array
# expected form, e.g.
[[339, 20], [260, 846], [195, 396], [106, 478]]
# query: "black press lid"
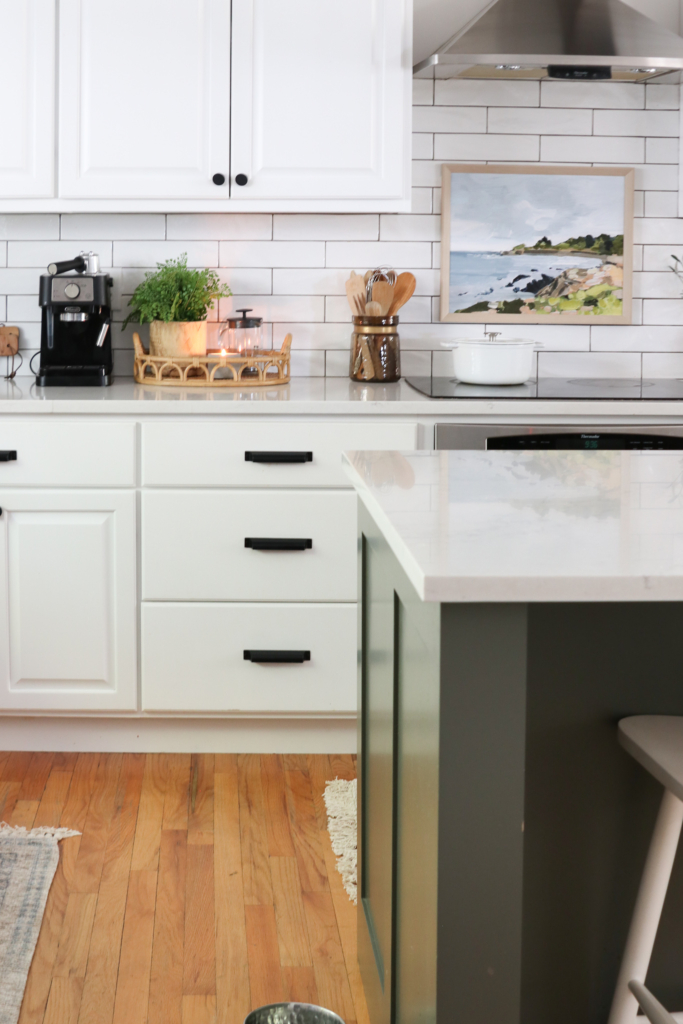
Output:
[[244, 321]]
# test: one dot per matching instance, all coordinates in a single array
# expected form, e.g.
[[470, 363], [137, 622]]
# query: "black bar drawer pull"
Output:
[[6, 456], [278, 543], [278, 456], [278, 657]]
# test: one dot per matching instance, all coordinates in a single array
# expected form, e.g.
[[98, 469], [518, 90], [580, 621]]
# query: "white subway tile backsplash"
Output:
[[485, 147], [423, 146], [421, 200], [291, 268], [661, 204], [402, 255], [113, 225], [540, 121], [636, 122], [395, 227], [461, 92], [25, 226], [39, 254], [590, 149], [325, 227], [661, 151], [449, 119], [229, 226], [598, 95], [147, 254], [588, 364], [272, 254]]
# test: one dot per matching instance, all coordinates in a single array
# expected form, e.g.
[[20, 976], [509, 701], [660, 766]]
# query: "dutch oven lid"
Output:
[[244, 321]]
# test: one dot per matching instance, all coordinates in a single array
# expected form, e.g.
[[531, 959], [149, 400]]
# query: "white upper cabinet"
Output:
[[144, 98], [321, 99], [27, 98]]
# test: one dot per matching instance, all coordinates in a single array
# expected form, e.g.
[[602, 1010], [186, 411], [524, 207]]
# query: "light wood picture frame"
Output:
[[498, 253]]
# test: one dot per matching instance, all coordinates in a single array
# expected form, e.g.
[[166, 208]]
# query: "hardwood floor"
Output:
[[202, 886]]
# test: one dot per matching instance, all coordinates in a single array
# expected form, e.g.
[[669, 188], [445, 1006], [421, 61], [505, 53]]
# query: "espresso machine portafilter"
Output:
[[75, 339]]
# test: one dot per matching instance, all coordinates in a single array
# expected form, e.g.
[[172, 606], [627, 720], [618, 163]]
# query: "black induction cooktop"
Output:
[[577, 388]]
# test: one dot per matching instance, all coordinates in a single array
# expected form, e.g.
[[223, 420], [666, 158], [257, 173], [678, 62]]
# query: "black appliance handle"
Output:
[[78, 264], [278, 456], [278, 543], [277, 657], [8, 456]]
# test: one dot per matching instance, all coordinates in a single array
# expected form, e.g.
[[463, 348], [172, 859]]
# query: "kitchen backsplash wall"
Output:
[[291, 268]]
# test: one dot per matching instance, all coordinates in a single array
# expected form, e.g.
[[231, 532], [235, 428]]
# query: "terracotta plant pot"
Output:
[[177, 339]]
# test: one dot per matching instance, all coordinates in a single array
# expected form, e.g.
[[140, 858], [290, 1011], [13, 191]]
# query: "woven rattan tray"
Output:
[[214, 370]]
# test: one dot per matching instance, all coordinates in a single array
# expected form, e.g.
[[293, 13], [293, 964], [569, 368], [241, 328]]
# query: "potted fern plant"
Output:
[[175, 300]]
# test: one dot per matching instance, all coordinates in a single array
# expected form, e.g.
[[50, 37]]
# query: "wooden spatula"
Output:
[[355, 293], [383, 292], [403, 290]]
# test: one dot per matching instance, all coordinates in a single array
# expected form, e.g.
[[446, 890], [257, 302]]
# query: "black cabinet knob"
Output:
[[241, 179], [218, 179]]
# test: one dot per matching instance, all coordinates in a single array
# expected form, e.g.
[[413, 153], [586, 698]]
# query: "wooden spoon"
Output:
[[383, 292], [373, 309], [403, 290], [355, 293]]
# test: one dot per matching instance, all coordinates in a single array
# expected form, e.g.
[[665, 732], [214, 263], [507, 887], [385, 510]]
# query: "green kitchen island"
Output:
[[513, 607]]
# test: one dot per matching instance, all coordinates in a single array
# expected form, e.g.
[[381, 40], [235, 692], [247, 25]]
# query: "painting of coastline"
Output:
[[533, 245]]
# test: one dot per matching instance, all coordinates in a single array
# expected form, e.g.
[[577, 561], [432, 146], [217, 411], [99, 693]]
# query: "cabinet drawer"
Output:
[[193, 658], [66, 453], [193, 546], [228, 454]]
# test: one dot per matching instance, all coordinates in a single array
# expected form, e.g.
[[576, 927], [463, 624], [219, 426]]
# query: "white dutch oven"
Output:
[[489, 361]]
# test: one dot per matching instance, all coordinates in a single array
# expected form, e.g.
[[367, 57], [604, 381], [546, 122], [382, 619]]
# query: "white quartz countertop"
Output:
[[329, 396], [530, 526]]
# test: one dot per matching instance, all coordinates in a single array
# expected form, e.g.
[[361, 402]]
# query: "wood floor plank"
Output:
[[233, 1000], [177, 791], [199, 961], [65, 762], [54, 799], [334, 993], [319, 772], [97, 824], [150, 814], [9, 794], [16, 766], [40, 974], [199, 1010], [304, 827], [275, 806], [255, 868], [265, 976], [343, 766], [290, 917], [132, 989], [298, 985], [323, 932], [83, 785], [74, 940], [200, 816], [99, 990], [166, 981], [64, 1001], [24, 813], [37, 775], [295, 762]]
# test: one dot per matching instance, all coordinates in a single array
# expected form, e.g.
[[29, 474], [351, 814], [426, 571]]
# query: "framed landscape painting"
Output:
[[524, 244]]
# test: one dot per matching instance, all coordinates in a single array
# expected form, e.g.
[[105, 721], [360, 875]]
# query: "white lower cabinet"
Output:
[[195, 545], [193, 658], [68, 600]]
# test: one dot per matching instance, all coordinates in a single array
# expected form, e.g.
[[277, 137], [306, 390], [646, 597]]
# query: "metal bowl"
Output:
[[292, 1013]]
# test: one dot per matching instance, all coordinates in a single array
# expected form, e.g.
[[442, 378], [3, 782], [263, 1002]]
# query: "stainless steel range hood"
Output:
[[571, 39]]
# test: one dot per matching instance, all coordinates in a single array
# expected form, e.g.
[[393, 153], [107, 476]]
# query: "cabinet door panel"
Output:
[[320, 103], [67, 628], [27, 97], [147, 114]]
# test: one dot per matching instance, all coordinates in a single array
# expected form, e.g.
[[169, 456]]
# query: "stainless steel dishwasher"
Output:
[[462, 436]]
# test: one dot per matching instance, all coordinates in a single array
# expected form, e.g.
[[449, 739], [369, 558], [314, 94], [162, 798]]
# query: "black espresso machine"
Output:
[[75, 339]]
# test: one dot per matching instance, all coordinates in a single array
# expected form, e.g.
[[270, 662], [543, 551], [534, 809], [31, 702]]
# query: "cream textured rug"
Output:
[[341, 804], [28, 861]]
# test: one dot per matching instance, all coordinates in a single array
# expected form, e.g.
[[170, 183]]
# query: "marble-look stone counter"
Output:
[[530, 526], [327, 396]]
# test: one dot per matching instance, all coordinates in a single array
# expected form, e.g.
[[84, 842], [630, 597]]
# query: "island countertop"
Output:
[[529, 526]]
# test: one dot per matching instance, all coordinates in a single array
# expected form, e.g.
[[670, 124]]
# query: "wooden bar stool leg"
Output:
[[648, 908]]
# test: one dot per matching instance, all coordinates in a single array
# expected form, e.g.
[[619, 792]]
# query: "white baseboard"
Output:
[[180, 736]]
